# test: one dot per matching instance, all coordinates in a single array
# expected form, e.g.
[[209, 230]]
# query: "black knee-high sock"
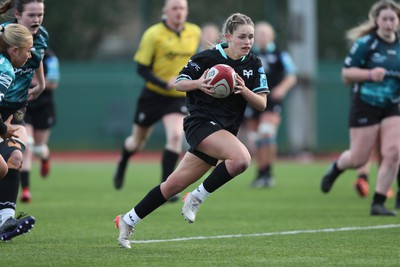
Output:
[[363, 176], [24, 179], [150, 202], [168, 163], [125, 155], [9, 187], [265, 171], [378, 199], [398, 178], [218, 177]]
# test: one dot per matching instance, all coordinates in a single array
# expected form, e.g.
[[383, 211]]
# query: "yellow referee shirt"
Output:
[[167, 52]]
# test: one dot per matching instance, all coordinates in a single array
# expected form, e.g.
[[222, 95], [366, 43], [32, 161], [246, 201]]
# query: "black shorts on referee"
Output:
[[151, 107]]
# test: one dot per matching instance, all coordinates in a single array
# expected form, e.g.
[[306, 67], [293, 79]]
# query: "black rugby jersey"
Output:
[[227, 112]]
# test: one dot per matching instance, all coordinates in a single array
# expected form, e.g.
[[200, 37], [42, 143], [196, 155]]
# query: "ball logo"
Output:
[[223, 79]]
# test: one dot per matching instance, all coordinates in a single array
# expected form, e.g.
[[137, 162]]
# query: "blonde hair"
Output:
[[370, 25], [14, 35], [234, 21]]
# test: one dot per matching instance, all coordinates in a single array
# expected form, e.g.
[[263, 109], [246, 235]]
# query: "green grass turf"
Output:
[[75, 206]]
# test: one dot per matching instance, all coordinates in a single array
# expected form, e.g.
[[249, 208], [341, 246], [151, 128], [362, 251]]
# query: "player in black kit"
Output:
[[211, 127]]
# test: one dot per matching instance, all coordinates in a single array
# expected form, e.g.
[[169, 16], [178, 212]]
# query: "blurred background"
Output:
[[96, 40]]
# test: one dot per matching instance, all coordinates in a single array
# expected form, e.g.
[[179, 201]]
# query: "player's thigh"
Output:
[[390, 136], [224, 145], [363, 141]]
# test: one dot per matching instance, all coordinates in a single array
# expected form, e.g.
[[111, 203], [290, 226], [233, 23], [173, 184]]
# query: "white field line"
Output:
[[294, 232]]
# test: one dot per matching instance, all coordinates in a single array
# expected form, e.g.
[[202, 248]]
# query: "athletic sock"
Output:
[[200, 193], [398, 178], [147, 205], [378, 199], [9, 187], [363, 176], [125, 155], [265, 172], [131, 218], [335, 169], [218, 177], [24, 179], [168, 163], [5, 214]]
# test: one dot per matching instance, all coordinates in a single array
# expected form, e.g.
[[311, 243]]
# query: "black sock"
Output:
[[378, 199], [265, 171], [9, 187], [218, 177], [168, 162], [24, 179], [363, 176], [150, 202], [125, 154], [398, 179], [336, 170]]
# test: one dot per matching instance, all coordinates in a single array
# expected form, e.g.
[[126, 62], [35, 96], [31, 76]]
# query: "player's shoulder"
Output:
[[5, 65], [252, 59], [366, 39], [155, 28], [41, 38], [43, 32], [207, 55]]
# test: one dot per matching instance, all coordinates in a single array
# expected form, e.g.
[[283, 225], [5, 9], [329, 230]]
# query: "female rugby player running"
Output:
[[211, 127]]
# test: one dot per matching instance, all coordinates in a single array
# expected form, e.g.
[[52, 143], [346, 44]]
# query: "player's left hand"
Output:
[[240, 85], [34, 92]]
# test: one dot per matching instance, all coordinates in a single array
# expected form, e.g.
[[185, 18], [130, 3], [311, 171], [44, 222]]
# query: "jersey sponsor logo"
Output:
[[263, 80], [378, 58], [141, 116], [130, 217], [362, 121], [347, 61], [19, 114], [23, 71], [5, 80], [354, 48], [172, 55], [392, 52], [248, 73], [194, 65]]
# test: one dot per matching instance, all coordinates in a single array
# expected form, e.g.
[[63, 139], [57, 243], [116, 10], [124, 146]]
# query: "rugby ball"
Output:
[[223, 80]]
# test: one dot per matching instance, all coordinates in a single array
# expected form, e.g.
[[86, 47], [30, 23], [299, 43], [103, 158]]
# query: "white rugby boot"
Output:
[[125, 231], [190, 207]]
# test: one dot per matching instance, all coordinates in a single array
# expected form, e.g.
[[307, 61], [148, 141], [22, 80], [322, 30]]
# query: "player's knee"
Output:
[[30, 142], [174, 141], [239, 163], [133, 145], [15, 160], [266, 134], [391, 155], [3, 168], [41, 151], [267, 129]]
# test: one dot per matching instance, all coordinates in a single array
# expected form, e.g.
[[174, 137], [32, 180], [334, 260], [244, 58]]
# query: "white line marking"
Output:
[[294, 232]]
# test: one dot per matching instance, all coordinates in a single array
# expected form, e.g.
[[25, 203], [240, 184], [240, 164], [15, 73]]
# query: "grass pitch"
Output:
[[292, 224]]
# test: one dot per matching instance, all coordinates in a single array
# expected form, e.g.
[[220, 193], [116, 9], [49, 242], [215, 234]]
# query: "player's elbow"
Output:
[[261, 106]]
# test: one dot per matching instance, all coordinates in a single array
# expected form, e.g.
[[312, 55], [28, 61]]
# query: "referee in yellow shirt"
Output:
[[163, 51]]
